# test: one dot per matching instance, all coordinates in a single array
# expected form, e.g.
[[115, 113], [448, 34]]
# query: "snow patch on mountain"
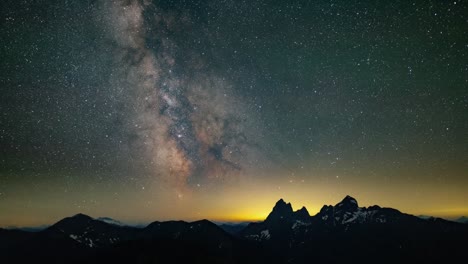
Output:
[[111, 221], [265, 234], [299, 224]]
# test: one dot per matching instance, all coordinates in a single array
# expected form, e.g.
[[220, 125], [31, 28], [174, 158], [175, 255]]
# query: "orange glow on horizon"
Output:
[[246, 201]]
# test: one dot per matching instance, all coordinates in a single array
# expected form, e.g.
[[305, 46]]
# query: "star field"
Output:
[[144, 110]]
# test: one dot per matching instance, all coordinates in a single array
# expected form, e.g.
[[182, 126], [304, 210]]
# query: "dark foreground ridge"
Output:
[[341, 233]]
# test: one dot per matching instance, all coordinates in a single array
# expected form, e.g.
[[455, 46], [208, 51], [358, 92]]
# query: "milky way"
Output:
[[119, 108], [188, 122]]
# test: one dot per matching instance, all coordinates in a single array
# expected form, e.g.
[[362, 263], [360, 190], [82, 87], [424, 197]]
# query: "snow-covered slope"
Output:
[[110, 221]]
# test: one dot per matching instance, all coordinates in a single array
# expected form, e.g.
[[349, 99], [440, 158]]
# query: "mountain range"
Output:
[[463, 220], [344, 232]]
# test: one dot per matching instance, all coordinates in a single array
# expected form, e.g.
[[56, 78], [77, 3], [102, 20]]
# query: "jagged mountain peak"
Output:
[[302, 213], [349, 199], [281, 210], [281, 202], [348, 204], [282, 206], [283, 213]]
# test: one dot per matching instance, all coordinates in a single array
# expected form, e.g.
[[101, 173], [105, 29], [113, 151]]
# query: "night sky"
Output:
[[156, 110]]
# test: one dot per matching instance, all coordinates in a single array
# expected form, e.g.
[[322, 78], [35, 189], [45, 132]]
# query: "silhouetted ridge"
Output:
[[281, 205], [81, 216], [347, 204], [463, 220], [281, 210], [302, 214], [344, 233], [76, 221]]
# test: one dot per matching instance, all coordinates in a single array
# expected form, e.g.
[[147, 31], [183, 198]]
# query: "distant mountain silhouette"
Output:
[[90, 232], [347, 232], [425, 217], [233, 228], [463, 220], [28, 228], [341, 233]]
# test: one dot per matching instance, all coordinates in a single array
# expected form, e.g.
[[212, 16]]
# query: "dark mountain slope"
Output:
[[343, 233]]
